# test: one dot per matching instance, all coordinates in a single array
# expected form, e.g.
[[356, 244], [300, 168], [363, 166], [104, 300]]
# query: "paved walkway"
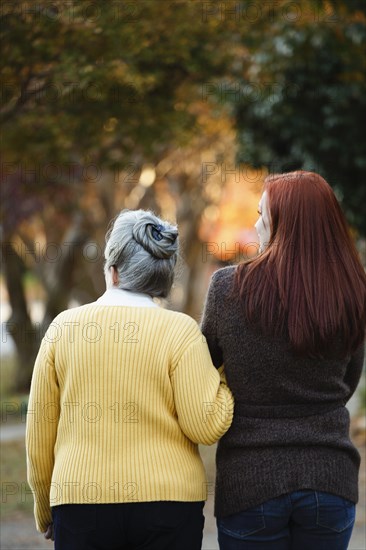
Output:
[[11, 432]]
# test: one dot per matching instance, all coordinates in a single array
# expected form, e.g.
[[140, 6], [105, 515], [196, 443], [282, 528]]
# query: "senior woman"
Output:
[[122, 393]]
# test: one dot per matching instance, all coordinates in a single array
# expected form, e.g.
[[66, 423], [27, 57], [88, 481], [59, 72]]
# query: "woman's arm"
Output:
[[203, 401], [354, 370], [209, 325], [42, 421]]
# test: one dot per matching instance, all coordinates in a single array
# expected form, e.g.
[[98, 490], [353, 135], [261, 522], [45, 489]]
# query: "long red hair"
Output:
[[309, 281]]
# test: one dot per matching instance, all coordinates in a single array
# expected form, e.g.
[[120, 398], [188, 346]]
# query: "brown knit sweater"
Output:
[[291, 427]]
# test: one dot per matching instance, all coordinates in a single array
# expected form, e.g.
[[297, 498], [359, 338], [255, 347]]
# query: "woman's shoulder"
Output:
[[179, 329], [178, 318], [224, 277], [72, 312]]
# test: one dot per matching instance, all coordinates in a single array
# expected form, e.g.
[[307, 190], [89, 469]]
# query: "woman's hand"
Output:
[[49, 533]]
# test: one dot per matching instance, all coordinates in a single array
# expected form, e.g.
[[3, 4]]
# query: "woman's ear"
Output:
[[114, 274]]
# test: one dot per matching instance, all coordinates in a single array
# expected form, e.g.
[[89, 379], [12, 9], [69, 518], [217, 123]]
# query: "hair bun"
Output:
[[157, 239]]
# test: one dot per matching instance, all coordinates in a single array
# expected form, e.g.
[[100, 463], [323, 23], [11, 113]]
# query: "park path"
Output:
[[12, 432]]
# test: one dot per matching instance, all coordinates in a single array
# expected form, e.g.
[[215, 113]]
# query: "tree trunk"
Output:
[[189, 214], [59, 278], [60, 275], [26, 336]]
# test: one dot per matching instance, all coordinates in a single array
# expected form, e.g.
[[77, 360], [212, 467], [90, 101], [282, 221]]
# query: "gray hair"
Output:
[[144, 250]]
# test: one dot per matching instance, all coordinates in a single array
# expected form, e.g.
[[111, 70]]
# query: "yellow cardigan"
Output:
[[120, 398]]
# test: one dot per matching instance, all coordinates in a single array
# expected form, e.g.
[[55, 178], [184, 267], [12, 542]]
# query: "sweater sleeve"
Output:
[[41, 431], [203, 401], [354, 370], [209, 325]]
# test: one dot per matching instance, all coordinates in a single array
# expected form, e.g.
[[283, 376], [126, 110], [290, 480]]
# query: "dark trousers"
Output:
[[161, 525]]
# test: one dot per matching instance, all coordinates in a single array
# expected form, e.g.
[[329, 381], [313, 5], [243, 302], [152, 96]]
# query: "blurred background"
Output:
[[181, 107]]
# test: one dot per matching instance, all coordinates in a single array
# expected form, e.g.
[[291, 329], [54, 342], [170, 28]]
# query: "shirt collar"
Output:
[[119, 297]]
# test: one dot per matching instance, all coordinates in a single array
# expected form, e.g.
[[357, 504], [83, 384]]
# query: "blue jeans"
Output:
[[302, 520]]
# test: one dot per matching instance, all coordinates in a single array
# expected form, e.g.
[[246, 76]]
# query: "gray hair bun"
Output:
[[156, 237], [144, 250]]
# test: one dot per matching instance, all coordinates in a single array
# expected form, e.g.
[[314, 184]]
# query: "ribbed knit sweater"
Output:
[[120, 398], [291, 428]]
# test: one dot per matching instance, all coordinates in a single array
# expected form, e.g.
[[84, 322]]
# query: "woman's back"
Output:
[[262, 370], [290, 426], [131, 383]]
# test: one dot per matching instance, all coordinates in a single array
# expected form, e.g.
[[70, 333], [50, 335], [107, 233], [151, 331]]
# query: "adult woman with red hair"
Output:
[[289, 327]]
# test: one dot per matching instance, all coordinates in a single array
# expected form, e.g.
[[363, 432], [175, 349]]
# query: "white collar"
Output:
[[119, 297]]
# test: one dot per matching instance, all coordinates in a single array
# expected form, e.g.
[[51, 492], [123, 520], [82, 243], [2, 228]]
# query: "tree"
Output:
[[302, 96], [105, 79], [92, 93]]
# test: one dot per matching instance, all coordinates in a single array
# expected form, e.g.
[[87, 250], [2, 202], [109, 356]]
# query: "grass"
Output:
[[13, 404], [7, 375], [15, 491], [13, 409], [362, 393], [16, 495]]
